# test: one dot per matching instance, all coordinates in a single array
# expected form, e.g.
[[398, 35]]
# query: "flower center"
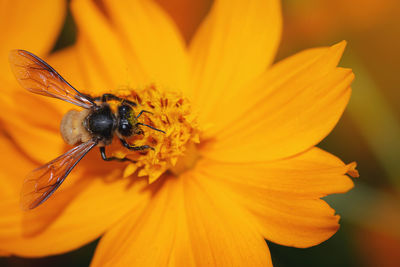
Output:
[[176, 149]]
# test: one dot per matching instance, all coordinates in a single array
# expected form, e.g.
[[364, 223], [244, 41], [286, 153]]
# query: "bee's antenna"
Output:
[[139, 123], [143, 111]]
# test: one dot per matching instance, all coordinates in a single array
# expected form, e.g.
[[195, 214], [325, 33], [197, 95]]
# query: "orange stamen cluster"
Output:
[[170, 113]]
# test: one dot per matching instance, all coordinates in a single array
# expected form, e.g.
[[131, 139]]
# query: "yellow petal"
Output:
[[75, 215], [153, 38], [32, 123], [185, 224], [10, 177], [285, 195], [153, 237], [222, 233], [103, 61], [29, 25], [235, 44], [133, 45], [288, 110], [39, 143]]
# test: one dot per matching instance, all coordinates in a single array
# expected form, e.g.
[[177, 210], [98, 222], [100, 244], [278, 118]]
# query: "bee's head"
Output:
[[126, 121]]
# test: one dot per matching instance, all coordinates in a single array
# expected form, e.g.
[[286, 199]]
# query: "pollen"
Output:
[[170, 112]]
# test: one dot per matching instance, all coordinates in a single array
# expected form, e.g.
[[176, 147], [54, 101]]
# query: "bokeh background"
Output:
[[369, 131]]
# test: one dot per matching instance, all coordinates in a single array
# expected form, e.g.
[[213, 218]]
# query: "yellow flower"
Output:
[[237, 164]]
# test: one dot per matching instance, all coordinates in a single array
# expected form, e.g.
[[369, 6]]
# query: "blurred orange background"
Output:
[[369, 131]]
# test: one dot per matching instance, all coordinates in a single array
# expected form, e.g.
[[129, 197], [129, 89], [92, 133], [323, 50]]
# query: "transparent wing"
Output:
[[37, 76], [41, 183]]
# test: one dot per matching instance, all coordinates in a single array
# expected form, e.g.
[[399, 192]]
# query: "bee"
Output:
[[95, 125]]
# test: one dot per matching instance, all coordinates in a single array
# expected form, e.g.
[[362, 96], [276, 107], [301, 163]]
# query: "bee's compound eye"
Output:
[[125, 129], [124, 109]]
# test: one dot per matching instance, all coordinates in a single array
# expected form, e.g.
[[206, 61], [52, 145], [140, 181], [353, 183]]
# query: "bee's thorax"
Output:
[[101, 123]]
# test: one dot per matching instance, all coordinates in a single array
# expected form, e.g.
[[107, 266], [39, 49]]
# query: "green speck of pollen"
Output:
[[132, 117]]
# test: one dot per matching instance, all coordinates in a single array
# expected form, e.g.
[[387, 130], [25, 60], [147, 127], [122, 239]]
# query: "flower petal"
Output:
[[32, 131], [32, 139], [235, 44], [154, 38], [285, 195], [102, 58], [184, 226], [29, 25], [66, 220], [222, 233], [148, 237], [287, 111], [10, 177], [133, 44]]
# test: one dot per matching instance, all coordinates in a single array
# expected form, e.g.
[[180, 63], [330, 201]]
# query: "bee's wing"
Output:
[[37, 76], [41, 183]]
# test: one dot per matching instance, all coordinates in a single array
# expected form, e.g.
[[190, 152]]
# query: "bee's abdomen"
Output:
[[101, 123], [72, 129]]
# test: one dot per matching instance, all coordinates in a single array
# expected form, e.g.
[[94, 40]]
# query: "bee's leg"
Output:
[[108, 97], [104, 157], [151, 127], [136, 148], [141, 112]]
